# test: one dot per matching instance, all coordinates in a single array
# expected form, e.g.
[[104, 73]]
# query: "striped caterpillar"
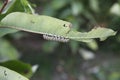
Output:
[[55, 38]]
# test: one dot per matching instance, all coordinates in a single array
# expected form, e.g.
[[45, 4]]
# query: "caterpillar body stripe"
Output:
[[55, 38]]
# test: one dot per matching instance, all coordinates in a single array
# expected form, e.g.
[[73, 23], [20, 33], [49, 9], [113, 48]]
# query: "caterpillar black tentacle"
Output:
[[55, 38]]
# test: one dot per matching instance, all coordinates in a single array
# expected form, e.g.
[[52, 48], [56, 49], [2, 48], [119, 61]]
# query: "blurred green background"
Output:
[[72, 60]]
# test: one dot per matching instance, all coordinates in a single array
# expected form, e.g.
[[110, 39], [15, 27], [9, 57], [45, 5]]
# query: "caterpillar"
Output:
[[55, 38], [7, 74]]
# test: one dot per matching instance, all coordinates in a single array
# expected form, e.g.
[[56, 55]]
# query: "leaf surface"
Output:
[[48, 25], [7, 74], [24, 69], [7, 51]]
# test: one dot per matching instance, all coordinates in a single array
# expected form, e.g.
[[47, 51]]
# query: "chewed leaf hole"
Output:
[[64, 25]]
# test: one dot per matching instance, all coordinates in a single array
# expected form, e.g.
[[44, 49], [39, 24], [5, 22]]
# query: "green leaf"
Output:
[[7, 74], [93, 45], [27, 7], [115, 9], [36, 24], [20, 67], [18, 5], [48, 25], [4, 31], [14, 6], [2, 16], [99, 32], [7, 51]]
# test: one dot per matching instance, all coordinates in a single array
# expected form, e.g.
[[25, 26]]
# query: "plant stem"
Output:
[[5, 3]]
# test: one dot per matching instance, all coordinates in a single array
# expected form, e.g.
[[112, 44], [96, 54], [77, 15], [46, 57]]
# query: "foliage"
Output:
[[81, 13], [20, 67], [7, 51], [84, 15], [52, 26], [7, 74]]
